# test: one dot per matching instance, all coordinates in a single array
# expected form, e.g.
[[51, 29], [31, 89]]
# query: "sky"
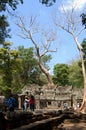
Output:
[[66, 48]]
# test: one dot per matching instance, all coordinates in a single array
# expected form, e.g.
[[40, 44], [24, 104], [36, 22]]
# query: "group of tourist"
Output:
[[29, 102], [9, 104]]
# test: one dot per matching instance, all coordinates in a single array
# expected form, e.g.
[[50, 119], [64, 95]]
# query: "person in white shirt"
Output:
[[25, 104]]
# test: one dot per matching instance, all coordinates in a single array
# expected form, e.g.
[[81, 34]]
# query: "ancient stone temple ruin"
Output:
[[51, 98]]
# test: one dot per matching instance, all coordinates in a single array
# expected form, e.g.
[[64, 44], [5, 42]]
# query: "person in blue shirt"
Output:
[[11, 103]]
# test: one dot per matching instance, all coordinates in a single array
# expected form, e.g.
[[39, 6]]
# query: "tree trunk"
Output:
[[44, 70], [83, 106]]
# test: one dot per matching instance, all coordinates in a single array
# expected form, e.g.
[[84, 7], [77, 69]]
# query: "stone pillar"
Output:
[[37, 104]]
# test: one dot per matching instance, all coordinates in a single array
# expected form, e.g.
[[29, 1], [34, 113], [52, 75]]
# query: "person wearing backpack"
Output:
[[11, 103]]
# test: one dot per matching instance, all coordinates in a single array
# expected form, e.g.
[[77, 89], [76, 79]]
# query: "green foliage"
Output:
[[45, 60], [28, 63], [75, 74], [18, 68], [84, 47], [31, 72], [43, 80], [4, 26], [84, 51], [5, 65], [9, 65], [83, 15], [37, 77], [4, 29], [61, 72], [68, 74], [12, 3], [4, 32], [48, 2]]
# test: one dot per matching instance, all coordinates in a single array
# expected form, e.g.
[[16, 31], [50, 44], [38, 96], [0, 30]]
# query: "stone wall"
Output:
[[49, 98]]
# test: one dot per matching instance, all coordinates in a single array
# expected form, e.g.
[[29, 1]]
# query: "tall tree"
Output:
[[68, 23], [4, 25], [43, 47], [5, 58], [9, 66]]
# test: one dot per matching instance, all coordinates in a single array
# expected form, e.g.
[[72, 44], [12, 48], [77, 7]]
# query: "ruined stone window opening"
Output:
[[49, 102]]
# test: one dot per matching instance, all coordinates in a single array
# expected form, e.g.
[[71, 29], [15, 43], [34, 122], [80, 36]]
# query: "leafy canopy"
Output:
[[83, 19], [47, 2], [61, 72], [75, 74], [12, 3], [4, 29], [84, 48]]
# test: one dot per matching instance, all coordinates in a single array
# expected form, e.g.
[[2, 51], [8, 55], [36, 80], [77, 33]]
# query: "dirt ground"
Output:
[[71, 120], [68, 119], [68, 125], [75, 122]]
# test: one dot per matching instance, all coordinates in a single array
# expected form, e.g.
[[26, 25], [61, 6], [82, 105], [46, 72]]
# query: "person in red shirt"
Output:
[[32, 103]]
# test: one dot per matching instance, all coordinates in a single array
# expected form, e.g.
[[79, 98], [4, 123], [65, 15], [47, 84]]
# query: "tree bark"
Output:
[[83, 106], [44, 70]]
